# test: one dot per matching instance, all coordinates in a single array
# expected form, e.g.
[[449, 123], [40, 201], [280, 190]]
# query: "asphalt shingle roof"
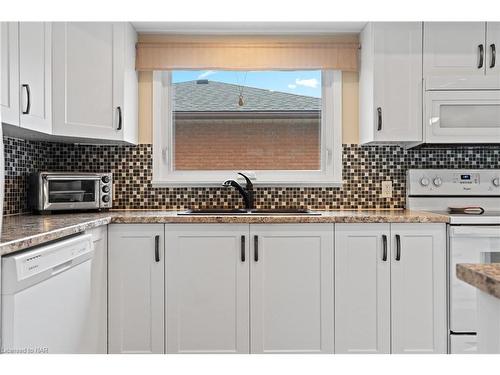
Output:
[[223, 97]]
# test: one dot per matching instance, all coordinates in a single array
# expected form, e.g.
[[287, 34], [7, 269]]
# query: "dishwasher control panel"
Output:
[[46, 261]]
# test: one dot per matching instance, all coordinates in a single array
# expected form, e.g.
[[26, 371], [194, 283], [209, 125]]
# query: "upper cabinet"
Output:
[[95, 83], [26, 75], [461, 55], [390, 82], [35, 69], [492, 43], [9, 72], [73, 80]]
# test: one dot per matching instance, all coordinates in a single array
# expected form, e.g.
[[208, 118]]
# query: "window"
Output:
[[278, 127]]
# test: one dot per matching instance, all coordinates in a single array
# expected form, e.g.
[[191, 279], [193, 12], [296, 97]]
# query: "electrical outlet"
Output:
[[386, 189]]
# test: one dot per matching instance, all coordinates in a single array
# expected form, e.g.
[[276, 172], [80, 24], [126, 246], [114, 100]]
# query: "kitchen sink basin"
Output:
[[264, 212]]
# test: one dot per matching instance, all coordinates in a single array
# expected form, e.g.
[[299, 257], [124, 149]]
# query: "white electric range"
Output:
[[472, 238]]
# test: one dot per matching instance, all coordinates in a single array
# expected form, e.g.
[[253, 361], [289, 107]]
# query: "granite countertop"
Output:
[[485, 277], [23, 231]]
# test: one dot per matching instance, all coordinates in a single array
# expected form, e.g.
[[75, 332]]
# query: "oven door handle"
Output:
[[474, 231]]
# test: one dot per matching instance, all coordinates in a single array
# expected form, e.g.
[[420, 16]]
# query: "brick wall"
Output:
[[247, 144]]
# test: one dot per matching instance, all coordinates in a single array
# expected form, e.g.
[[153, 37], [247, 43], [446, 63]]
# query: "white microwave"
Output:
[[462, 116]]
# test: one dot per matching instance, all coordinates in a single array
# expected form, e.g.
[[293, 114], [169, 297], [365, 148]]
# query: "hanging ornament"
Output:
[[241, 100]]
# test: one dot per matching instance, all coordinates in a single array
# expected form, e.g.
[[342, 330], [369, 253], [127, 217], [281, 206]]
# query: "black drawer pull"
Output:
[[242, 248], [384, 246], [157, 248], [379, 118], [398, 247], [28, 99], [256, 248], [493, 55], [481, 56]]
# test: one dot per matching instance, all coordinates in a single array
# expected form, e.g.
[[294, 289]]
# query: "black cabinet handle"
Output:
[[379, 118], [384, 246], [256, 248], [28, 99], [157, 248], [398, 247], [242, 248], [481, 56], [493, 55], [119, 118]]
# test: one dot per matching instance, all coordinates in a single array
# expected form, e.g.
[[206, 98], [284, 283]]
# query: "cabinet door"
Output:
[[452, 55], [88, 79], [207, 290], [291, 286], [397, 82], [362, 288], [35, 75], [492, 47], [136, 288], [96, 332], [418, 288], [9, 72]]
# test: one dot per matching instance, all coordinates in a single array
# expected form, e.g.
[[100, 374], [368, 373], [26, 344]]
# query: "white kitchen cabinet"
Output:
[[291, 290], [35, 76], [219, 276], [136, 288], [9, 72], [492, 46], [457, 56], [418, 288], [95, 83], [26, 74], [207, 293], [362, 288], [412, 298], [95, 336], [390, 80]]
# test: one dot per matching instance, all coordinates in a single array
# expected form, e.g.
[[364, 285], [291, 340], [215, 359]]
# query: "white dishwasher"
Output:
[[46, 298]]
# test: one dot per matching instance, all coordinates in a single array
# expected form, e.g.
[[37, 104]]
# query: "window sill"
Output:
[[212, 184]]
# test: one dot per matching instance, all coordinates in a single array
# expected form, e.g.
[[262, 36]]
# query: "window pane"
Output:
[[226, 120]]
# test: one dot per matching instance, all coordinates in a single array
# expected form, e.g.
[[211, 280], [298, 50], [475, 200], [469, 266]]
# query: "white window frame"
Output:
[[331, 144]]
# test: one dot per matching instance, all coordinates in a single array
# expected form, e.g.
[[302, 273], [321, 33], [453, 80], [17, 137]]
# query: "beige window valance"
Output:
[[162, 52]]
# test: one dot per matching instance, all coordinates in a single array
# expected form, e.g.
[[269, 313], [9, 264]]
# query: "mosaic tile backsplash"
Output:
[[364, 168]]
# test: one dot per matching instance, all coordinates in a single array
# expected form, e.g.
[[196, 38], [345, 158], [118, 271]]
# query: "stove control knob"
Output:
[[496, 181], [424, 181], [437, 181]]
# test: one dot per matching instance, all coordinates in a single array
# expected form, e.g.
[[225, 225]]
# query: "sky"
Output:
[[300, 82]]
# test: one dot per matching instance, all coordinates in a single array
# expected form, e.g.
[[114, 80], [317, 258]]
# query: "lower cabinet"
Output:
[[270, 288], [390, 288], [207, 288], [136, 288], [249, 288], [362, 288], [291, 288], [95, 336]]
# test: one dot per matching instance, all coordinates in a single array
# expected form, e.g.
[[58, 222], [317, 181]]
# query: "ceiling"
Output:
[[249, 27]]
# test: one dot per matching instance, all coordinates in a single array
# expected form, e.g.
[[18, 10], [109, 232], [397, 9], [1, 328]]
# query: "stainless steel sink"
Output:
[[263, 212]]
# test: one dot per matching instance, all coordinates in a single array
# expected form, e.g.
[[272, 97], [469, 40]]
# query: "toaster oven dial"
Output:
[[105, 189], [105, 179], [105, 198]]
